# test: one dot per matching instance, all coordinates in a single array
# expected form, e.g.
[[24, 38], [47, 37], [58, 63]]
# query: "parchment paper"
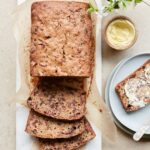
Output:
[[97, 112]]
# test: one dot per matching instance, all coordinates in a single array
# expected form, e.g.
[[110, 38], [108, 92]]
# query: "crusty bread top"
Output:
[[60, 102], [46, 127], [62, 43], [121, 91], [71, 143]]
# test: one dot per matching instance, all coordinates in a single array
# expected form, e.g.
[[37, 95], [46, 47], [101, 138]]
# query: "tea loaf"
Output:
[[71, 143], [46, 127], [59, 102], [134, 91], [61, 39]]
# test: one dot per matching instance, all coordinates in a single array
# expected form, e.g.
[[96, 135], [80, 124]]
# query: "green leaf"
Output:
[[109, 9], [92, 8], [111, 1], [138, 1], [116, 5], [124, 4]]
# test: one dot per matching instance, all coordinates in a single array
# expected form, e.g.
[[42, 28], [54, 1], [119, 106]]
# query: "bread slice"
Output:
[[134, 91], [59, 102], [45, 127], [71, 143], [62, 43]]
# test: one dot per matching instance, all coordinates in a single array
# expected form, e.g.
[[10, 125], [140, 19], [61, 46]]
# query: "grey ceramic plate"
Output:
[[129, 122], [108, 103]]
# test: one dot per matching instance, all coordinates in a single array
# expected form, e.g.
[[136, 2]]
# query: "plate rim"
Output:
[[107, 89]]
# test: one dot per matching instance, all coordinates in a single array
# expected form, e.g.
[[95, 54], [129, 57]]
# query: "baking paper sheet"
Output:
[[97, 112]]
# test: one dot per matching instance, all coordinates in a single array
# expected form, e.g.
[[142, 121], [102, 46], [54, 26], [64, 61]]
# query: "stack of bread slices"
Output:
[[62, 57]]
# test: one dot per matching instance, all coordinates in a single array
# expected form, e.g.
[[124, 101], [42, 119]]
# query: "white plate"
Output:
[[121, 126], [133, 120]]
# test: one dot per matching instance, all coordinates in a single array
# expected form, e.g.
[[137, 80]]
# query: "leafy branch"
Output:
[[113, 4], [116, 4]]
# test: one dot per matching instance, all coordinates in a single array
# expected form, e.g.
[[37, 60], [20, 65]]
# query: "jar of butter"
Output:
[[120, 33]]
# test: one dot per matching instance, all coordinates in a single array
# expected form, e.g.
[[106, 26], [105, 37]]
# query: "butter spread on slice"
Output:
[[138, 89], [143, 92], [135, 89]]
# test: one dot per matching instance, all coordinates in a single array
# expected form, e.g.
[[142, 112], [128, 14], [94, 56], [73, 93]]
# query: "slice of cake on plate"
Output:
[[134, 91]]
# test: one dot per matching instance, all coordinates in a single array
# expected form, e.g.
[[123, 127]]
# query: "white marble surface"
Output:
[[7, 77]]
